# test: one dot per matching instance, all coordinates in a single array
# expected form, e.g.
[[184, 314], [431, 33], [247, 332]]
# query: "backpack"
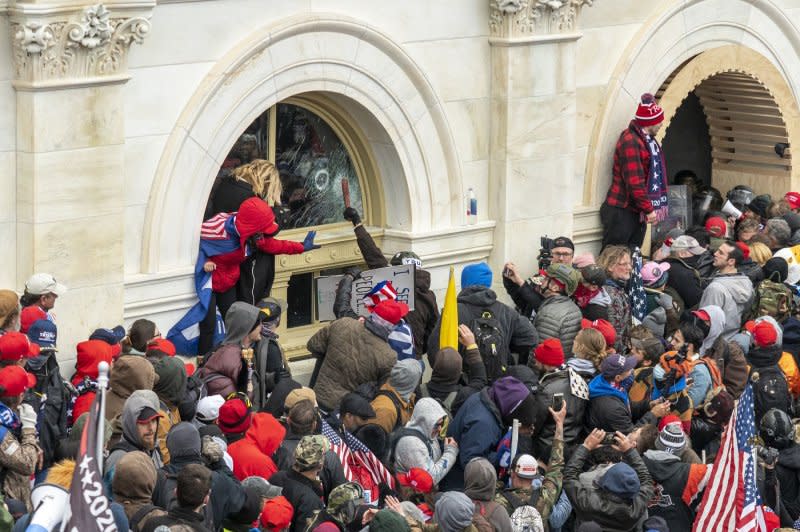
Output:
[[527, 519], [446, 403], [492, 344], [401, 433], [140, 514], [479, 515], [772, 299], [195, 390], [770, 390]]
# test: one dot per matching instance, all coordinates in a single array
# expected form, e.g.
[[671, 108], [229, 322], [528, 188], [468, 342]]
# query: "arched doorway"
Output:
[[725, 130]]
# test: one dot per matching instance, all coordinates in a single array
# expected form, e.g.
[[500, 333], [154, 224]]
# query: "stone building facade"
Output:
[[116, 118]]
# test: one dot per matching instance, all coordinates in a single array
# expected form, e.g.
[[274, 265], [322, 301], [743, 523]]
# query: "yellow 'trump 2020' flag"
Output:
[[448, 334]]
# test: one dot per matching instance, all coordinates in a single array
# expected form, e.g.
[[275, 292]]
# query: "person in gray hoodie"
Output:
[[453, 512], [418, 442], [139, 421], [730, 290], [480, 483], [224, 371]]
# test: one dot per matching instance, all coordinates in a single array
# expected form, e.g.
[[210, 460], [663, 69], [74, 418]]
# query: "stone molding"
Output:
[[533, 20], [52, 48]]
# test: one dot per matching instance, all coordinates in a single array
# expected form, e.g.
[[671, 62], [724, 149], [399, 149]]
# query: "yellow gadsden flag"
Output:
[[448, 335]]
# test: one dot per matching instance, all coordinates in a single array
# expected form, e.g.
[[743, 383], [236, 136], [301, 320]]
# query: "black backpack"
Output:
[[401, 433], [492, 344], [195, 390], [770, 390]]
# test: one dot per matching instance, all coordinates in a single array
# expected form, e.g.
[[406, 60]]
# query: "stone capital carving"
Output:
[[72, 47], [523, 19]]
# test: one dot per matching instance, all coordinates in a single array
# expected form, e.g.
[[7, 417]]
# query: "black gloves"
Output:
[[351, 215]]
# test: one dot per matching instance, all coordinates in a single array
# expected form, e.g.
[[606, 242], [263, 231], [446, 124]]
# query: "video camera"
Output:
[[545, 252]]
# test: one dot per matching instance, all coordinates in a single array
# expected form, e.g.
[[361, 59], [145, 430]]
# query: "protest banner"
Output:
[[401, 277]]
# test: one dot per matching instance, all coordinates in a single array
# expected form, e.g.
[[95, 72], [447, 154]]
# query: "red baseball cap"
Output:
[[702, 314], [416, 478], [29, 315], [16, 346], [162, 344], [14, 380], [234, 416], [277, 514], [604, 327], [793, 199], [716, 227], [763, 332]]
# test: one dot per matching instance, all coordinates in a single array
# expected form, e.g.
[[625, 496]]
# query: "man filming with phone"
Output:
[[527, 293]]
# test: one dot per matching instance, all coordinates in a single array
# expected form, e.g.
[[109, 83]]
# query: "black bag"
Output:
[[401, 433], [492, 344], [195, 390], [770, 390]]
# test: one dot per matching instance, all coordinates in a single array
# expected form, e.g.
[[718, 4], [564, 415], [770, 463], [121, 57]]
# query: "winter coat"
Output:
[[732, 365], [170, 388], [53, 415], [254, 216], [526, 298], [558, 381], [446, 377], [227, 196], [480, 481], [332, 473], [619, 314], [686, 280], [305, 496], [597, 309], [558, 317], [252, 455], [609, 408], [131, 373], [19, 456], [788, 473], [733, 293], [677, 486], [224, 371], [609, 511], [138, 401], [386, 411], [642, 392], [790, 370], [752, 270], [472, 301], [90, 354], [411, 451], [352, 356], [179, 517], [423, 318], [133, 488]]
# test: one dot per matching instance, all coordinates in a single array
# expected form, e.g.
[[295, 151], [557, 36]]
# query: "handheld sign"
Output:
[[401, 277]]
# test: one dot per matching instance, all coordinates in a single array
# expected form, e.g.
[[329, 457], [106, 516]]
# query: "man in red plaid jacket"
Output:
[[638, 186]]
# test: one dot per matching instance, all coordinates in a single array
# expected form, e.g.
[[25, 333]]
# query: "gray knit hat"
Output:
[[671, 439]]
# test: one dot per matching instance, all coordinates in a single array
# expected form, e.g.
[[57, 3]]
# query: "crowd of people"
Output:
[[599, 401]]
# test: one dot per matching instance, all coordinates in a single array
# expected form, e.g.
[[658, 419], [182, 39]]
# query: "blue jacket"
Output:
[[477, 427]]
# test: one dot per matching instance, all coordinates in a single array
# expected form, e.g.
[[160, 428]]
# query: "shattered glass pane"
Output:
[[313, 162]]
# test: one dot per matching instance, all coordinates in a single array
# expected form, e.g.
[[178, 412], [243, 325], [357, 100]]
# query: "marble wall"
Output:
[[529, 125]]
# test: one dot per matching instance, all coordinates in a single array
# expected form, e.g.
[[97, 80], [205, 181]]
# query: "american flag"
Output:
[[380, 292], [732, 501], [350, 450], [636, 289]]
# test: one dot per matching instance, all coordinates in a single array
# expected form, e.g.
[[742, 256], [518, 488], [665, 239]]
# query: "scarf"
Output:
[[85, 386], [657, 180], [584, 295]]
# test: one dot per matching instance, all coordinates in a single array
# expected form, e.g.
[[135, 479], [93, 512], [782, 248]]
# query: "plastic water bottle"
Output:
[[472, 207]]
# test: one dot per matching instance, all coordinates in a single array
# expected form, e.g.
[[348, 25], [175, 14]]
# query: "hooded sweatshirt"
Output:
[[391, 413], [90, 354], [223, 370], [412, 452], [717, 316], [453, 511], [733, 293], [252, 455], [480, 480], [134, 483], [446, 377], [170, 388], [130, 373], [702, 381], [138, 401]]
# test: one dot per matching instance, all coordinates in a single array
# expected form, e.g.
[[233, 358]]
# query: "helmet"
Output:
[[566, 275], [344, 500], [777, 429], [406, 257], [740, 195]]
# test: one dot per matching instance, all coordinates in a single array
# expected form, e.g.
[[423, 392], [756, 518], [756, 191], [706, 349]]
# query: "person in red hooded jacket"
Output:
[[255, 224], [90, 354], [252, 455]]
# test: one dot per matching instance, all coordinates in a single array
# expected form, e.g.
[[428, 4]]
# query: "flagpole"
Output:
[[102, 384]]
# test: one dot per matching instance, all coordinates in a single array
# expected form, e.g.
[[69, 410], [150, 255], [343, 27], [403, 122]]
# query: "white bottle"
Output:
[[472, 207]]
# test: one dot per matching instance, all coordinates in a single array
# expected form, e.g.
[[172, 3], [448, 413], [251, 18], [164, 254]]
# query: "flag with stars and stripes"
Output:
[[359, 463], [732, 501], [636, 288]]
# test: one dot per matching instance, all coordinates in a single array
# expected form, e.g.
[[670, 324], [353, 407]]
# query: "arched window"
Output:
[[316, 146]]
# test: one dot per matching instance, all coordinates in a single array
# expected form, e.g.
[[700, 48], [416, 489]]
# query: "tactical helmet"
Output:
[[406, 257], [344, 500], [566, 275], [740, 195], [777, 429]]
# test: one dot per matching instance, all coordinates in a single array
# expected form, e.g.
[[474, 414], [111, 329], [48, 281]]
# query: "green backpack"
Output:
[[772, 299]]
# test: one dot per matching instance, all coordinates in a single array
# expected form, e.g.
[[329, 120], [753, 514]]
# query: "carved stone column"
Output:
[[70, 66], [533, 123]]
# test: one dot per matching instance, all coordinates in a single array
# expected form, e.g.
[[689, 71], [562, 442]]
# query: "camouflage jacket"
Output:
[[511, 499], [18, 460]]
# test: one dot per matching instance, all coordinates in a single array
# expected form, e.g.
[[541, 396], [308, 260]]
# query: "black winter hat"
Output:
[[776, 269], [760, 204], [793, 219]]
